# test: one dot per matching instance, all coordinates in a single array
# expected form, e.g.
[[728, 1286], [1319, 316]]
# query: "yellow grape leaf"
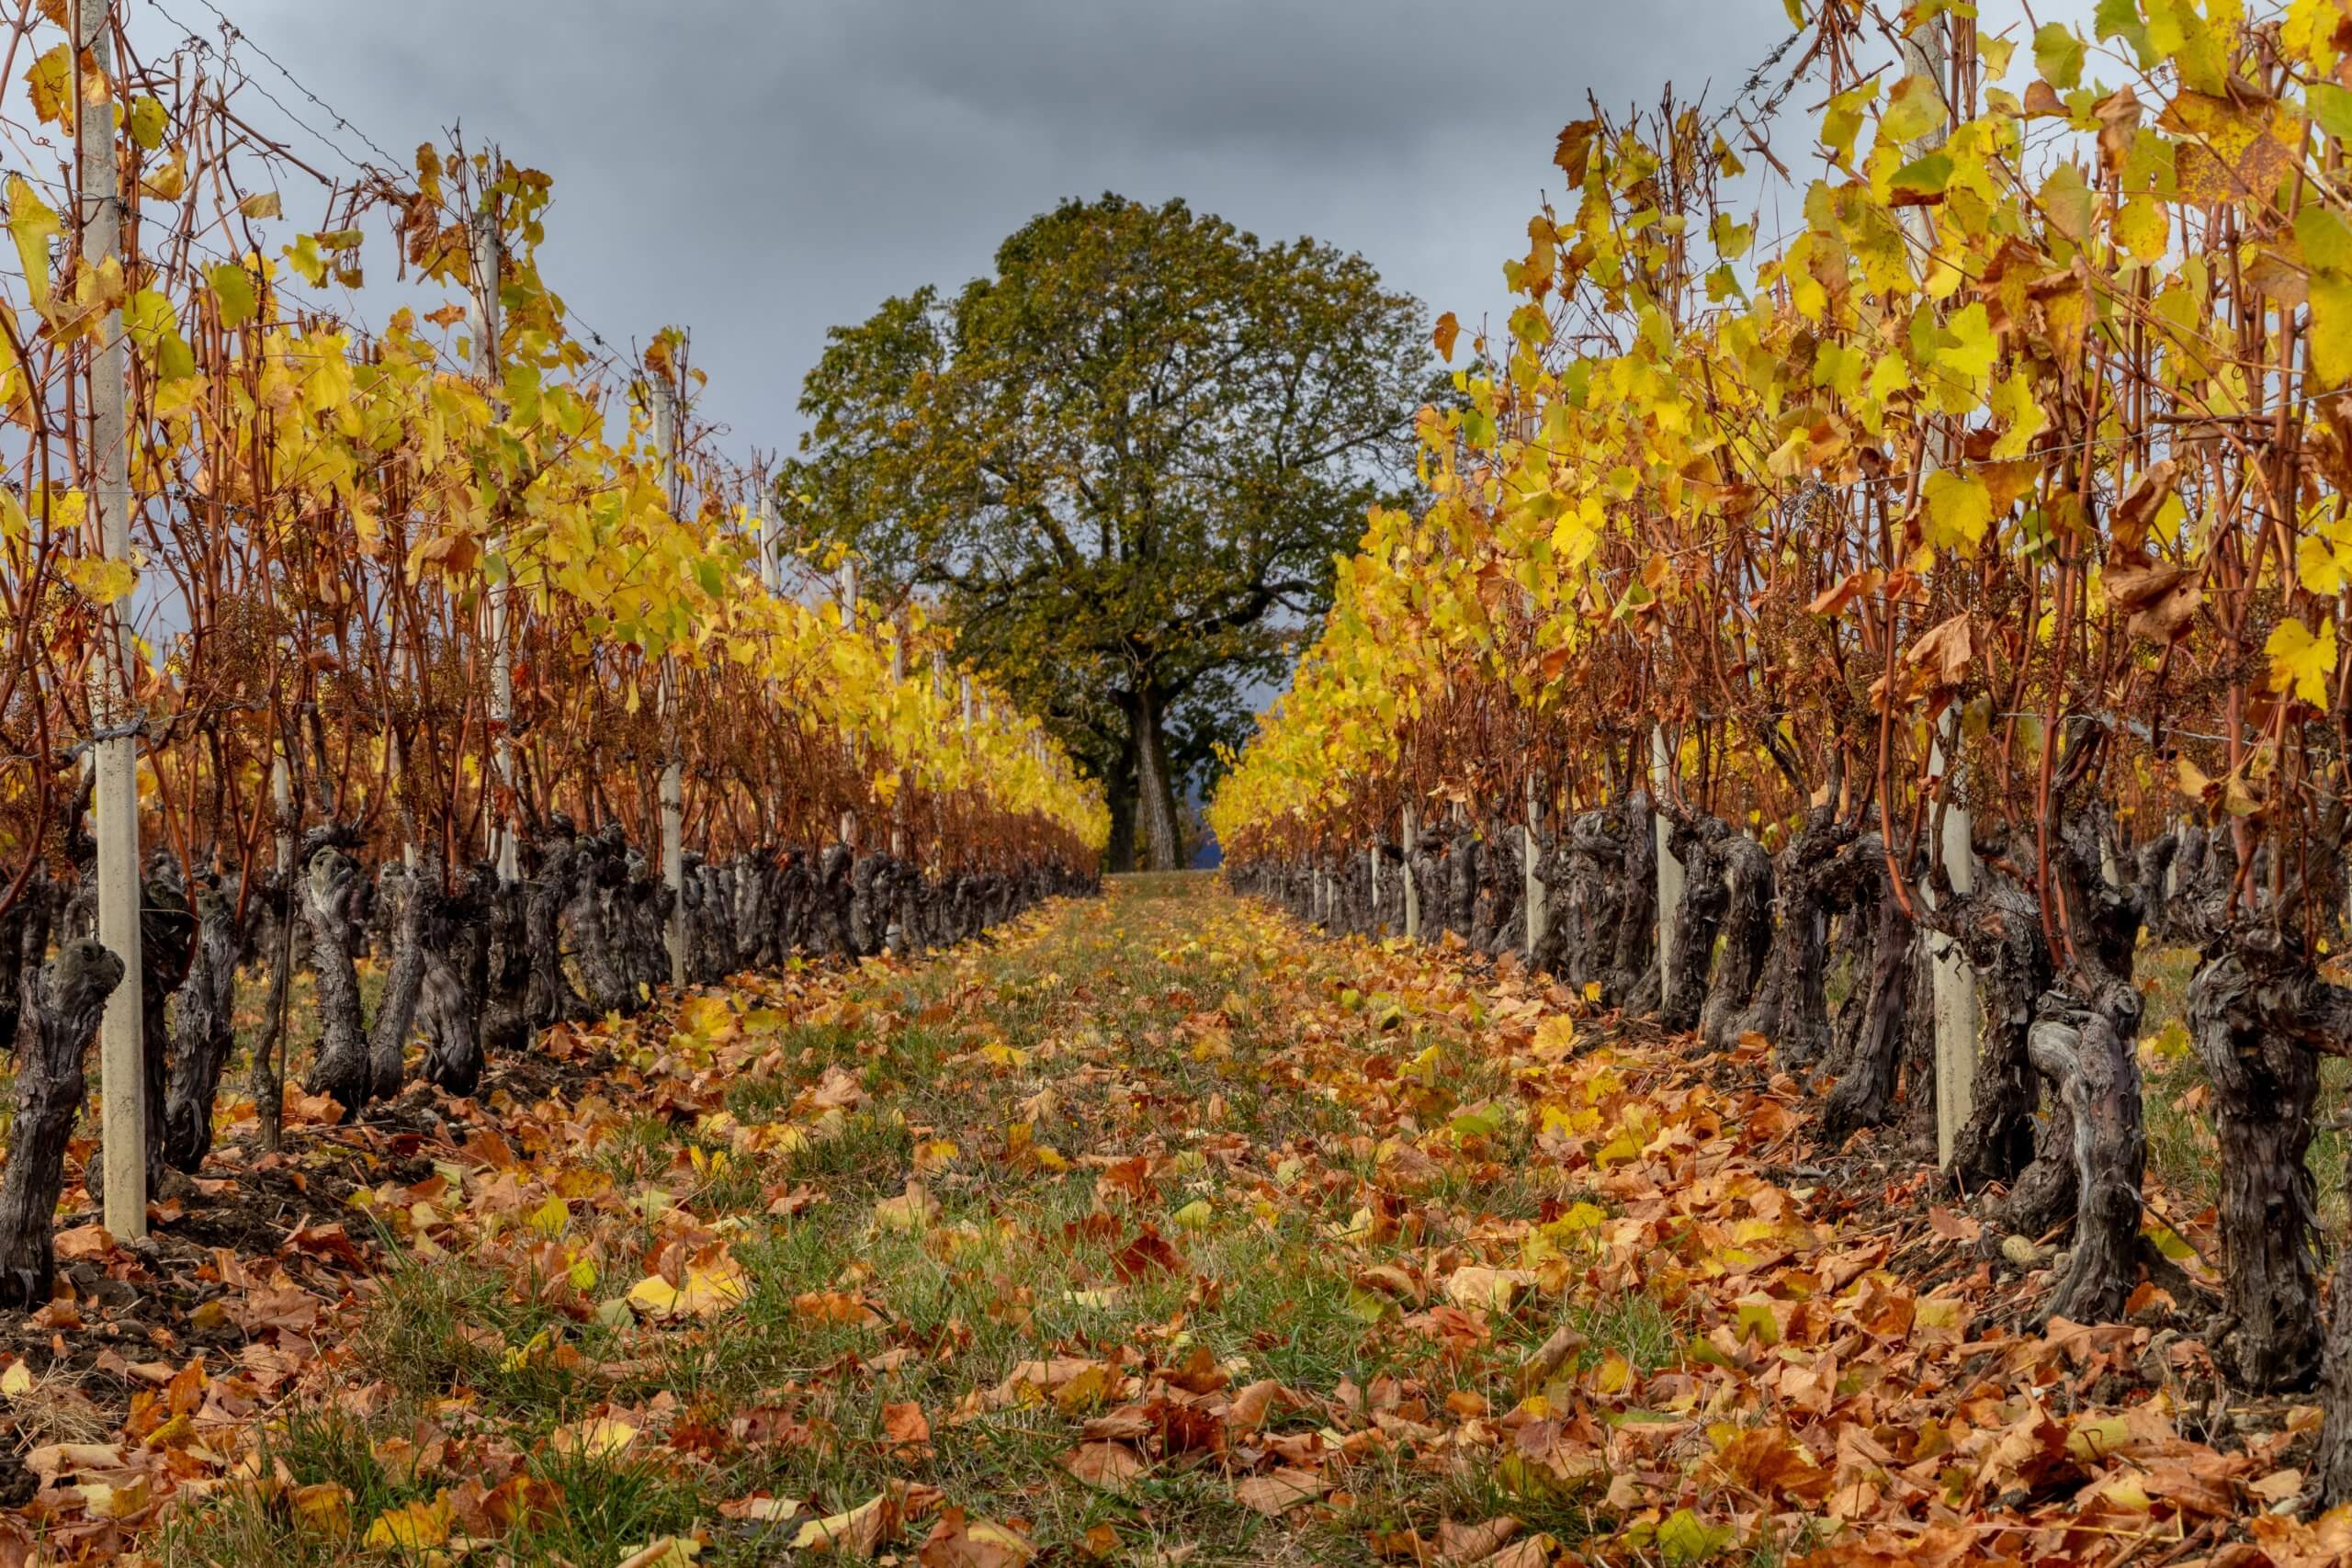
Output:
[[598, 1437], [709, 1289], [168, 183], [2069, 201], [2319, 567], [1915, 107], [1971, 353], [413, 1527], [2302, 661], [2058, 55], [16, 1379], [325, 1506], [32, 225], [912, 1211], [2230, 152], [147, 122], [2331, 301], [233, 287], [2310, 32], [2324, 240], [857, 1532], [101, 579], [2142, 229], [1683, 1537], [48, 81], [1960, 509]]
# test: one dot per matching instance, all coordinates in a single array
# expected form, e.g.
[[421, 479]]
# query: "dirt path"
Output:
[[1158, 1230]]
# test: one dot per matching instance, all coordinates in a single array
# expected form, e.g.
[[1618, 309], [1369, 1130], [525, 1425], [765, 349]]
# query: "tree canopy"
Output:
[[1124, 463]]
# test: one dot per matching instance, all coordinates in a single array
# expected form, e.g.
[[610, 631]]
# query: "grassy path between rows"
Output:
[[1155, 1231]]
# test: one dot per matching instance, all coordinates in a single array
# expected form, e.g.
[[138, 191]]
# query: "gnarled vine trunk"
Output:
[[60, 1009], [204, 1032], [1865, 1093], [341, 1068]]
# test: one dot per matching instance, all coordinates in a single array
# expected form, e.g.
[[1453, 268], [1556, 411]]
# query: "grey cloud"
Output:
[[761, 171]]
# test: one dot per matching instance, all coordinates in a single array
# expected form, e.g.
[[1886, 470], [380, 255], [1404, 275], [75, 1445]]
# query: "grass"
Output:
[[1150, 1066]]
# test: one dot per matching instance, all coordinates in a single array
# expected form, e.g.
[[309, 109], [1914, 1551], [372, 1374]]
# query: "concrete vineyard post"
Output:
[[1412, 891], [488, 257], [674, 789], [1955, 982], [1535, 894], [114, 745], [771, 537], [1669, 870], [849, 623], [898, 803]]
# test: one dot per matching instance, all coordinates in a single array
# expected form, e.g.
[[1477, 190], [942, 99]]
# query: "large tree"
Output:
[[1124, 463]]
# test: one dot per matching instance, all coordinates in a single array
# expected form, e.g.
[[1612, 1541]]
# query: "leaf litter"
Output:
[[1154, 1230]]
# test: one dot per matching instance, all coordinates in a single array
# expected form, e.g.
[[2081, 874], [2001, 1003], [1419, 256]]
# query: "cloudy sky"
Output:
[[760, 170]]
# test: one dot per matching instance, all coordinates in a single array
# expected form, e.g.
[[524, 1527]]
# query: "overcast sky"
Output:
[[760, 170]]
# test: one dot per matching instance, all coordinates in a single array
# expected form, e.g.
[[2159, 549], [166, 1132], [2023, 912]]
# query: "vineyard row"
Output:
[[453, 638], [1951, 589]]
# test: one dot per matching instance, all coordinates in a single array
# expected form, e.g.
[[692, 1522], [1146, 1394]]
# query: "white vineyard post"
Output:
[[673, 785], [396, 771], [898, 802], [1372, 865], [1412, 889], [1923, 52], [488, 255], [1669, 870], [849, 746], [1535, 895], [771, 537], [114, 745], [1955, 981]]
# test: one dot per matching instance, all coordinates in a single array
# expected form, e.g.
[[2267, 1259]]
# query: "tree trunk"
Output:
[[1999, 930], [596, 933], [452, 939], [1706, 894], [61, 1003], [1155, 790], [508, 976], [341, 1068], [24, 943], [1865, 1095], [396, 1011], [2266, 1082], [267, 1080], [1119, 797], [1746, 939], [2095, 1069], [204, 1034], [2334, 1461], [1919, 1055], [1790, 1009]]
